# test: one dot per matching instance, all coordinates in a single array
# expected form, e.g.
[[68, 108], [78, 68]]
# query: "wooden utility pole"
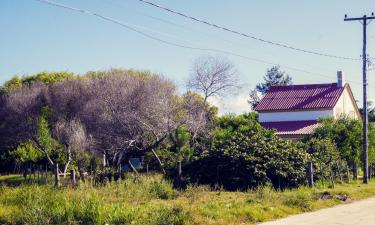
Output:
[[365, 21]]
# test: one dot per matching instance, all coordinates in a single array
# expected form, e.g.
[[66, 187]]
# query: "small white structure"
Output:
[[294, 110]]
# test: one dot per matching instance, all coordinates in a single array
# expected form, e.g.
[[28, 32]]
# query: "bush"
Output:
[[245, 155]]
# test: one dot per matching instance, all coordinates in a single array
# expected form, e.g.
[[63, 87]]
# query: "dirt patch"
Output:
[[343, 197], [326, 196]]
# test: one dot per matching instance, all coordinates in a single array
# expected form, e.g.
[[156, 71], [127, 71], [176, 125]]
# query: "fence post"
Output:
[[370, 171], [38, 171], [310, 174], [57, 178], [348, 173], [147, 170], [73, 177]]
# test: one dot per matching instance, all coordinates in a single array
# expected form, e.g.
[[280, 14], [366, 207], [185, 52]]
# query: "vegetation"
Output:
[[346, 135], [152, 200], [243, 155], [90, 127], [273, 76]]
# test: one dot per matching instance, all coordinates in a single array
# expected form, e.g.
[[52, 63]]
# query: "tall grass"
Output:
[[152, 200], [124, 202]]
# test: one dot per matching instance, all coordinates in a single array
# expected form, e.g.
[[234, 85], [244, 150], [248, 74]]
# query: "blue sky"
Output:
[[37, 37]]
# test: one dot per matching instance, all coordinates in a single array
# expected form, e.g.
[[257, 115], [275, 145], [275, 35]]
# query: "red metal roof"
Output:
[[300, 97], [292, 127]]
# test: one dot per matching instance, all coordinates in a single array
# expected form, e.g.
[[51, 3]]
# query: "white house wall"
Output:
[[345, 106], [294, 116]]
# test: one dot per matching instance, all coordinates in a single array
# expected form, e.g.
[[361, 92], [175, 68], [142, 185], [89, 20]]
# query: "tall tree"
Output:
[[212, 76], [346, 134], [273, 76]]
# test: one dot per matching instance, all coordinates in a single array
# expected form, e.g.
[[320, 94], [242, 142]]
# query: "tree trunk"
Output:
[[310, 172], [347, 173], [104, 160], [355, 171], [339, 171], [160, 163], [73, 177], [57, 178], [80, 171], [179, 165], [69, 161], [332, 179], [133, 168]]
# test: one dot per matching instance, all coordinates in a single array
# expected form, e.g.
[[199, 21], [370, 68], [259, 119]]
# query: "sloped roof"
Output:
[[292, 127], [300, 97]]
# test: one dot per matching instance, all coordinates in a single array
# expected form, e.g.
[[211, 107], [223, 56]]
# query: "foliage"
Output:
[[345, 133], [143, 201], [44, 77], [243, 155], [121, 203], [26, 153], [324, 154], [49, 145], [180, 139], [273, 77]]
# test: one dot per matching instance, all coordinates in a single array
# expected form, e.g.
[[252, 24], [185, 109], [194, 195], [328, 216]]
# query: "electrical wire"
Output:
[[195, 31], [244, 34], [52, 3]]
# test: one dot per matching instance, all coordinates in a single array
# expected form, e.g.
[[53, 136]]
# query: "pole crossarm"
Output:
[[360, 18]]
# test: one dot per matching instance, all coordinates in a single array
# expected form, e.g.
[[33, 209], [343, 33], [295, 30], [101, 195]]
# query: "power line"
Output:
[[109, 19], [211, 35], [244, 34]]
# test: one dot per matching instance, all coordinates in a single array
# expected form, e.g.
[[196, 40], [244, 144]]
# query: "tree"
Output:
[[371, 111], [199, 117], [73, 136], [272, 77], [325, 156], [243, 155], [212, 76], [346, 134], [112, 115], [180, 139], [44, 77]]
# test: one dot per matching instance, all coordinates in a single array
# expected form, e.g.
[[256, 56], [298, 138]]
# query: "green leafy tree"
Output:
[[180, 140], [346, 134], [325, 156], [43, 77], [243, 154], [274, 76], [45, 143], [26, 153], [12, 84]]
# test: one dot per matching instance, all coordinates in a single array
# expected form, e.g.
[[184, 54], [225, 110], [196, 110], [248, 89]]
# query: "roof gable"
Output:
[[300, 97]]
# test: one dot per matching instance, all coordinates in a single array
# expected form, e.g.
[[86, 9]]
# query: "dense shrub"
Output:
[[244, 155]]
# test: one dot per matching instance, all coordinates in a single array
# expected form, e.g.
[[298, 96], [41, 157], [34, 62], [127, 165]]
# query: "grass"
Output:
[[152, 200]]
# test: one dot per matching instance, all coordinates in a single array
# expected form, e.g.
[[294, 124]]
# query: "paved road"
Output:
[[356, 213]]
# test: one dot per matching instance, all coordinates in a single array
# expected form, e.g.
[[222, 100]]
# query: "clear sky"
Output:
[[36, 37]]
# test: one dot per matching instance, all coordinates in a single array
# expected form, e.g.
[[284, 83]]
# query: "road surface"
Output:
[[356, 213]]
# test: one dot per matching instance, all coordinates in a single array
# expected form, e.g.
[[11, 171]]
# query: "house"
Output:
[[294, 110]]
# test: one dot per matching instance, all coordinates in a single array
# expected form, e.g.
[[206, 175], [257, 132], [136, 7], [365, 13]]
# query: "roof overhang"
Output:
[[289, 128]]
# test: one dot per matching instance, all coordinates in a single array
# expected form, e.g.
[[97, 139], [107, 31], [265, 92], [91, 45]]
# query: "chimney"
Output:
[[340, 79]]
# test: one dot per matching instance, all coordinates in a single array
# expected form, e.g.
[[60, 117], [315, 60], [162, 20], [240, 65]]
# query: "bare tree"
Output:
[[135, 111], [198, 115], [213, 76], [73, 136]]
